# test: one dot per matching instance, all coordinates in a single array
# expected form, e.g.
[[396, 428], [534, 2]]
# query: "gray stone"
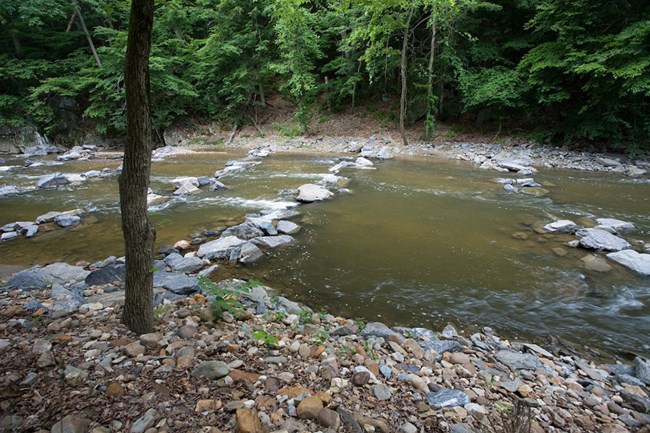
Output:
[[53, 180], [220, 248], [31, 231], [47, 218], [377, 329], [10, 423], [178, 283], [274, 241], [182, 180], [268, 228], [186, 188], [376, 152], [8, 190], [417, 333], [613, 225], [38, 278], [145, 422], [642, 370], [67, 220], [632, 260], [441, 346], [65, 301], [309, 193], [349, 420], [601, 240], [106, 275], [71, 424], [288, 227], [595, 263], [462, 428], [5, 237], [249, 253], [381, 392], [449, 332], [407, 427], [561, 226], [212, 370], [447, 398], [518, 361], [244, 231], [186, 265]]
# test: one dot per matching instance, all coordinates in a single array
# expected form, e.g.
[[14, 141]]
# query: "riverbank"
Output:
[[280, 367], [67, 350]]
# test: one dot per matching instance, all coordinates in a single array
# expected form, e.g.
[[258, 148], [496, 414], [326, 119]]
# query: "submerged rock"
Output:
[[595, 263]]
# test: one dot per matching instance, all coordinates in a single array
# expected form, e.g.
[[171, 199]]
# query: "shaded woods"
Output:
[[567, 72]]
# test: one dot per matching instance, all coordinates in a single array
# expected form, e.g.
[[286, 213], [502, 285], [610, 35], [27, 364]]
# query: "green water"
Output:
[[419, 242]]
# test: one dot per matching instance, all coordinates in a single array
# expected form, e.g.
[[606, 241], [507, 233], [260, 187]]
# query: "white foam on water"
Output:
[[258, 203]]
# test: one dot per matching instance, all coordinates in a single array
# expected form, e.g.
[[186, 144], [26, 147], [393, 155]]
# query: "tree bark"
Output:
[[90, 41], [17, 45], [428, 130], [139, 234], [402, 100]]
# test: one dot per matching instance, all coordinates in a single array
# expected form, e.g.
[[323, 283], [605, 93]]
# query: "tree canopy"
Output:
[[569, 72]]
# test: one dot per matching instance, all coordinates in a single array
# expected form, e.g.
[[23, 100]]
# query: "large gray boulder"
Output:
[[309, 193], [613, 225], [597, 239], [186, 265], [287, 227], [245, 231], [38, 278], [220, 248], [631, 259], [52, 181], [177, 283], [106, 275], [249, 253], [274, 241]]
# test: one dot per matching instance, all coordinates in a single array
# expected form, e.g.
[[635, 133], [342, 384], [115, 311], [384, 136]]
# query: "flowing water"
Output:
[[419, 242]]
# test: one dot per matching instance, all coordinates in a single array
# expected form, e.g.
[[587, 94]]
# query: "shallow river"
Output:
[[420, 242]]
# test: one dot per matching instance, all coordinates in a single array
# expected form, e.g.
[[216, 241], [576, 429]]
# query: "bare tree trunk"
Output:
[[262, 96], [90, 41], [428, 126], [74, 14], [17, 45], [402, 100], [139, 234]]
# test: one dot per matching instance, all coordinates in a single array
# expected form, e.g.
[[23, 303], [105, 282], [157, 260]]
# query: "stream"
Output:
[[419, 242]]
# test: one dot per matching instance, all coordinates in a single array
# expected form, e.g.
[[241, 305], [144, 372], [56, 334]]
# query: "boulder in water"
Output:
[[637, 262], [309, 193], [597, 239]]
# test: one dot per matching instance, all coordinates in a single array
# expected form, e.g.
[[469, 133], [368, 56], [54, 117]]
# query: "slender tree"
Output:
[[139, 234]]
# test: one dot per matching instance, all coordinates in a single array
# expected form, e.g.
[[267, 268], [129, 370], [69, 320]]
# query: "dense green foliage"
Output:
[[572, 72]]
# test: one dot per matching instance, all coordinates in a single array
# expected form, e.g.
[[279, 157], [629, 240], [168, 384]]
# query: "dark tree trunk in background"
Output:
[[139, 234], [403, 72]]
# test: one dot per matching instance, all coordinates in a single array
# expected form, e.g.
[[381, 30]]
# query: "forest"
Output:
[[571, 73]]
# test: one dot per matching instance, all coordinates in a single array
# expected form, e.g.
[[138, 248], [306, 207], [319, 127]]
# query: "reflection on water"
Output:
[[419, 242]]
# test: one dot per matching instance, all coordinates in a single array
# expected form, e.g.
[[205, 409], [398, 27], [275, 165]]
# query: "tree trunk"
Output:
[[430, 121], [17, 45], [90, 41], [402, 100], [139, 234]]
